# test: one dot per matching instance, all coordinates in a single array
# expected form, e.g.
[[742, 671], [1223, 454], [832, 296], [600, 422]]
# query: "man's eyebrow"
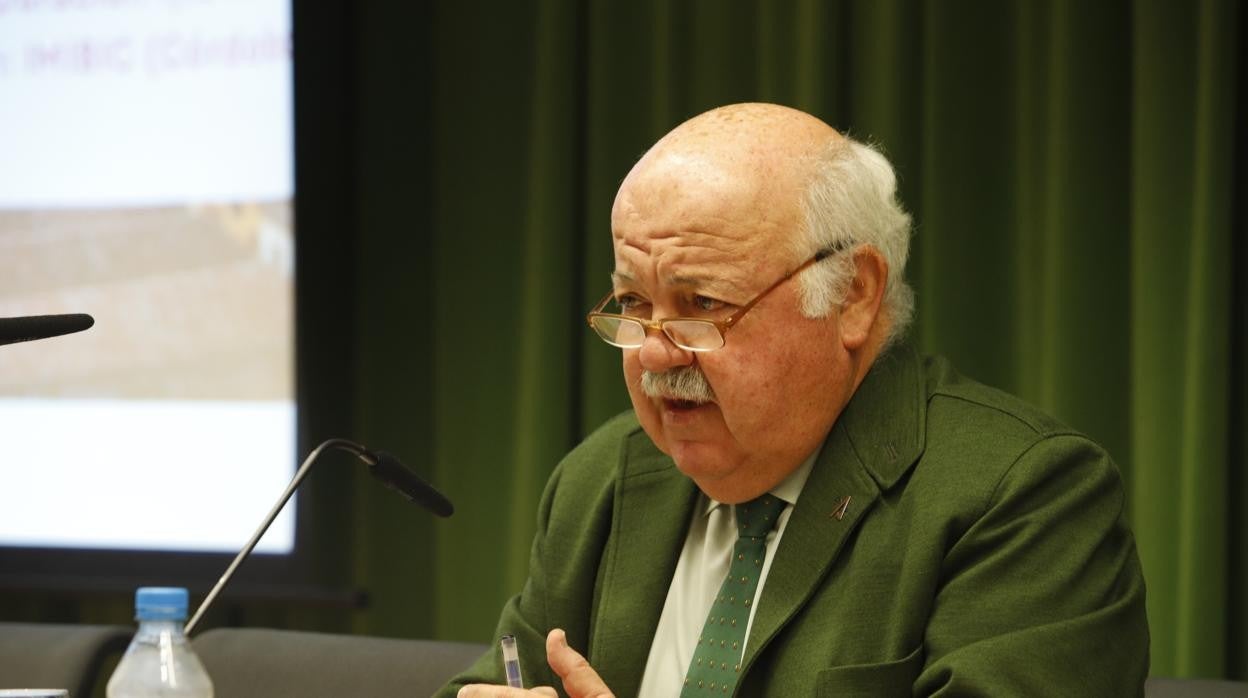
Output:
[[620, 278], [690, 280]]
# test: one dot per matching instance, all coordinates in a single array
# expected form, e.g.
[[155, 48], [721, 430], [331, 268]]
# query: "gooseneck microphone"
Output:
[[25, 329], [382, 465]]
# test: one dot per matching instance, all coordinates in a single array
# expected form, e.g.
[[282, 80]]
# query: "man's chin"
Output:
[[699, 460]]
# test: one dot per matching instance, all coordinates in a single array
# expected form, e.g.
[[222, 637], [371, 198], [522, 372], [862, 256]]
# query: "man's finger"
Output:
[[579, 678]]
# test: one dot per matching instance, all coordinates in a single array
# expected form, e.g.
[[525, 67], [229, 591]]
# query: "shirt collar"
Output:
[[788, 489]]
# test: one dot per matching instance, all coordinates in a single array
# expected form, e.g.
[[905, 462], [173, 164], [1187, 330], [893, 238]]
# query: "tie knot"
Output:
[[757, 517]]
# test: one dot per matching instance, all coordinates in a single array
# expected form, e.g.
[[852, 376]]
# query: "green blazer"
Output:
[[983, 552]]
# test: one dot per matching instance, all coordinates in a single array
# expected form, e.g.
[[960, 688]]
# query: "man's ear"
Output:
[[860, 312]]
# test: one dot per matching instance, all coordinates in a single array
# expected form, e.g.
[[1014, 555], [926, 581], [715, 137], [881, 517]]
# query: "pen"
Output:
[[511, 661]]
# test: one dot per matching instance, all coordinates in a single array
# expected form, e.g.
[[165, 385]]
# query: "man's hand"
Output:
[[579, 678]]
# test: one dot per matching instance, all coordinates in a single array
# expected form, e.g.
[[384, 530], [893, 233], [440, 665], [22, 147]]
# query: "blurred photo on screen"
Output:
[[146, 178]]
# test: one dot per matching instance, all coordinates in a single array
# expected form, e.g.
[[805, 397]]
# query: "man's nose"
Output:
[[658, 353]]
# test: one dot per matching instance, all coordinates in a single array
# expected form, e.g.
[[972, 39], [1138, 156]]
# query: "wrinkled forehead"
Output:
[[723, 190], [707, 212], [683, 186]]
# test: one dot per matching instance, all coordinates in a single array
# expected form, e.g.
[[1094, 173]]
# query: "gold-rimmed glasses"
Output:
[[690, 334]]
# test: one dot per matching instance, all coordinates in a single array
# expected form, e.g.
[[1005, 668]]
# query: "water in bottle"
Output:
[[159, 662]]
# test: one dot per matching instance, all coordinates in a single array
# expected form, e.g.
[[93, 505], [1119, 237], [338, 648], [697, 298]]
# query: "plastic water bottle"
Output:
[[159, 662]]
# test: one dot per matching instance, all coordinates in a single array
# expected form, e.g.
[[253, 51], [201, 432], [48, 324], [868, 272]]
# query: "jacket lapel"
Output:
[[653, 505], [873, 443]]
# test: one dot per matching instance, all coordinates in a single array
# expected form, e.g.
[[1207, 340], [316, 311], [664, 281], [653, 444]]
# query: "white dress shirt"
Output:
[[700, 571]]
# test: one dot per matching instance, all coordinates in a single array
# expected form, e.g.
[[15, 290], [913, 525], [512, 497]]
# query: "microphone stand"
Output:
[[342, 444]]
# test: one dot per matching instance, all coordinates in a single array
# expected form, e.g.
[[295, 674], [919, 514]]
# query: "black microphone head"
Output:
[[25, 329], [396, 476]]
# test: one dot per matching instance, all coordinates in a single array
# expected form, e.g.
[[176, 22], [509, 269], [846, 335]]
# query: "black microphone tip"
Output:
[[398, 477], [25, 329]]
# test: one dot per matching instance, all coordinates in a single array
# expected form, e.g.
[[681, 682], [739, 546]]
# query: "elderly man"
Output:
[[799, 504]]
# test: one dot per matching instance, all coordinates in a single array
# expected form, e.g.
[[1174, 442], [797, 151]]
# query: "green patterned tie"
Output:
[[716, 663]]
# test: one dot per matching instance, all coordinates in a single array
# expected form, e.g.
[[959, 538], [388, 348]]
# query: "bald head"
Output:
[[748, 164], [795, 185], [752, 130], [756, 153]]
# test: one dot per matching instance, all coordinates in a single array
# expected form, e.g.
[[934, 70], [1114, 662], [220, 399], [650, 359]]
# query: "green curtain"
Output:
[[1072, 169]]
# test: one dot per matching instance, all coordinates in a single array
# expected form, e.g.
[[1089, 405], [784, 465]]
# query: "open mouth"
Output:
[[681, 405]]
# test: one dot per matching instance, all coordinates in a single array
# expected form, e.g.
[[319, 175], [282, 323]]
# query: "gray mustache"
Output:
[[685, 383]]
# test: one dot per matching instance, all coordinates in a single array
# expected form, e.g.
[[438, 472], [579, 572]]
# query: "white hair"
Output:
[[852, 200]]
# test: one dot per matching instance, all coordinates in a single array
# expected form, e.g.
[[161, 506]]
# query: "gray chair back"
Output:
[[45, 655], [1194, 688], [261, 663]]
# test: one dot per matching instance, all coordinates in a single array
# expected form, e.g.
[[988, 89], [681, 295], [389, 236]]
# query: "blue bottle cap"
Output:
[[160, 603]]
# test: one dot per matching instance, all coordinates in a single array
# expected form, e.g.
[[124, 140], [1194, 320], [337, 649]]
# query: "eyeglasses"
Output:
[[690, 334]]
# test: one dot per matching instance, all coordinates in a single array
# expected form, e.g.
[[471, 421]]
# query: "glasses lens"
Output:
[[694, 335], [619, 332]]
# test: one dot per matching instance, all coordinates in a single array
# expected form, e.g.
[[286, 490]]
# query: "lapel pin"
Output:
[[841, 507]]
